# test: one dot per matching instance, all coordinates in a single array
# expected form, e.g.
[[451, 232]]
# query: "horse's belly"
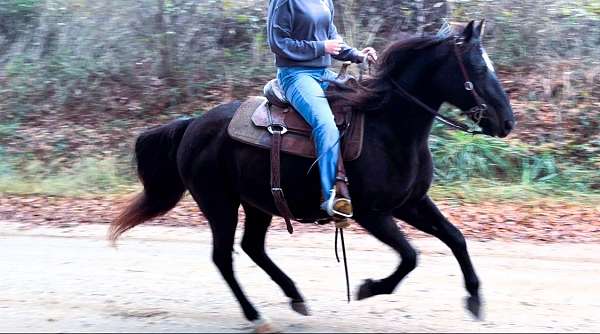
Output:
[[301, 188]]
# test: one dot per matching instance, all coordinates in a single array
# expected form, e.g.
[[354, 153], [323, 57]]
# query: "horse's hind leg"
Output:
[[385, 229], [253, 243], [426, 217], [221, 210]]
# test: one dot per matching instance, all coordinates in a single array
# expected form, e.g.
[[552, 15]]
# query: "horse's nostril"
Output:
[[509, 125]]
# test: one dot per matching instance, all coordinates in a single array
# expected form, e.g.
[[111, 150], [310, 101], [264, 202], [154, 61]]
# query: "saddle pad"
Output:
[[297, 141]]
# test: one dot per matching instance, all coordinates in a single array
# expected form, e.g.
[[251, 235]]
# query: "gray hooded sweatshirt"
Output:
[[297, 31]]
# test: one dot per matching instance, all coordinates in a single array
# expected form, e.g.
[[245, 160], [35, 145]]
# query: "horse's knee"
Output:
[[459, 241], [222, 260], [246, 245], [409, 259], [456, 238], [250, 248]]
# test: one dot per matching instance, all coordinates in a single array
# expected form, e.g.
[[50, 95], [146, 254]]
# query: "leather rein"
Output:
[[476, 113]]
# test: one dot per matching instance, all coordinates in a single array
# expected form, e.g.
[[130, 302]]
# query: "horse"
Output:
[[389, 180]]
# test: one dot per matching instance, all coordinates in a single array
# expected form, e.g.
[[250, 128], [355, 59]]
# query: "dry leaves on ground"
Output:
[[535, 221]]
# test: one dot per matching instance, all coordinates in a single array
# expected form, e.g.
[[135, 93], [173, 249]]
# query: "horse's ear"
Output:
[[470, 33], [480, 29]]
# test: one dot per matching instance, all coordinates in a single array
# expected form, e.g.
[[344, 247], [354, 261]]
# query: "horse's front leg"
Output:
[[385, 229], [426, 217]]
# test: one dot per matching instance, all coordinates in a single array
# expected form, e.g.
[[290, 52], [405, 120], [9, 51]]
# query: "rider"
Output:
[[303, 37]]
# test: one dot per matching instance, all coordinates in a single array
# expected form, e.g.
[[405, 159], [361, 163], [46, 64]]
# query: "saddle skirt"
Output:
[[254, 116]]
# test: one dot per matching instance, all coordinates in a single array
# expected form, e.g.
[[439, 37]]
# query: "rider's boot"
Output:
[[339, 205]]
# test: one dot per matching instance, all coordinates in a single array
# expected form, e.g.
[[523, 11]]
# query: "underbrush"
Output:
[[86, 177], [460, 158], [466, 167]]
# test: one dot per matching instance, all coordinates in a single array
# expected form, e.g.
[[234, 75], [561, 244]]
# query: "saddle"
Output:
[[270, 122], [256, 118]]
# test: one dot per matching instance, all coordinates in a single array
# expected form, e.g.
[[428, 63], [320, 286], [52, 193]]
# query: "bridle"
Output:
[[475, 113]]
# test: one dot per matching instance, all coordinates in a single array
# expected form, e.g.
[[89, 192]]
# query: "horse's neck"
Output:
[[408, 119], [405, 123], [401, 123]]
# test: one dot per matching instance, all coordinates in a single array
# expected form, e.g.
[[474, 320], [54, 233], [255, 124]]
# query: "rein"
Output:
[[476, 113], [340, 232]]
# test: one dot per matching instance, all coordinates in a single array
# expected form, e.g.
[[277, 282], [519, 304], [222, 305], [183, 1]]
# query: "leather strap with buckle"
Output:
[[277, 131]]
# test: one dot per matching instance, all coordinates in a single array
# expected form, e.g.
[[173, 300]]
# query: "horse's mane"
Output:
[[374, 92]]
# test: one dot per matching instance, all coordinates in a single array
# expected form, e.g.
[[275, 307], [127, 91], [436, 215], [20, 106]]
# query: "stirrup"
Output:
[[334, 205]]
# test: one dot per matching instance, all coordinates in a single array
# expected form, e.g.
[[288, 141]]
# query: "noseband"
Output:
[[475, 113]]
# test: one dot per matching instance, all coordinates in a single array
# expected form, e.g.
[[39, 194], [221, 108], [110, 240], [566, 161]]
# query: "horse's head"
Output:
[[467, 80]]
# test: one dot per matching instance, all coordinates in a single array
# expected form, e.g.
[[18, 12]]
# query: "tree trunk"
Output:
[[165, 71]]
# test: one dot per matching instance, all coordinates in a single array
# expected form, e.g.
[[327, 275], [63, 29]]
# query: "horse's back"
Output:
[[205, 138], [214, 120]]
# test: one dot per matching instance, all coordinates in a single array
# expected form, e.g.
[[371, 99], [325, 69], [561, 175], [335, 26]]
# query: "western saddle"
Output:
[[270, 122]]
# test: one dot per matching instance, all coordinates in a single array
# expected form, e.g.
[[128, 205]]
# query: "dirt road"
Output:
[[161, 279]]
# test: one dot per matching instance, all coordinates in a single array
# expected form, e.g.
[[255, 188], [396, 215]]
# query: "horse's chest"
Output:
[[384, 182]]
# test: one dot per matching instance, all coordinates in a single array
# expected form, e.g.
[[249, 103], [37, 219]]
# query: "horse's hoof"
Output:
[[473, 304], [365, 290], [301, 308], [263, 326]]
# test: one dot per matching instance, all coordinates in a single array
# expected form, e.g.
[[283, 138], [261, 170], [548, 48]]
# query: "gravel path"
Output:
[[161, 279]]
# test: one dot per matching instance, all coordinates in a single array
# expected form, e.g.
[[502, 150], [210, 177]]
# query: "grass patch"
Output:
[[107, 177], [468, 169], [483, 190], [87, 177]]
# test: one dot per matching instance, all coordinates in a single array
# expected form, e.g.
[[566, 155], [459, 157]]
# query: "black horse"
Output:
[[390, 179]]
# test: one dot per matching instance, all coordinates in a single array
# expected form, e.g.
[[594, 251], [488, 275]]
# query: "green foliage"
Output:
[[460, 157], [17, 19], [18, 11], [79, 54], [8, 129], [111, 64], [478, 190], [88, 176]]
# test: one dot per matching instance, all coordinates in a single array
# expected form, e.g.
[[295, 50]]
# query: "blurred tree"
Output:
[[129, 61], [165, 71], [17, 17], [376, 22]]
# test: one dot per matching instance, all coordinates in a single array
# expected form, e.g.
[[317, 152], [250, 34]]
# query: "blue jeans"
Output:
[[304, 88]]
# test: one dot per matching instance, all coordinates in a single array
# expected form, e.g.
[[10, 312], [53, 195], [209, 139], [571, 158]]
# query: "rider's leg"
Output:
[[304, 90], [343, 205], [327, 75]]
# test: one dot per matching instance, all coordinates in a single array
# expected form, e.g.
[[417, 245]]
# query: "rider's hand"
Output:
[[333, 47], [369, 54]]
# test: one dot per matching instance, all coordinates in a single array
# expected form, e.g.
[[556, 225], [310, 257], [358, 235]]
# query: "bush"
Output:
[[460, 157], [116, 66], [88, 176]]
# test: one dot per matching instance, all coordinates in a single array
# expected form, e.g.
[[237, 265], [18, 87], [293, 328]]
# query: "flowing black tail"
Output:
[[156, 158]]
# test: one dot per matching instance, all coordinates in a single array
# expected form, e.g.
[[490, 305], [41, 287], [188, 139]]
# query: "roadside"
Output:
[[538, 221]]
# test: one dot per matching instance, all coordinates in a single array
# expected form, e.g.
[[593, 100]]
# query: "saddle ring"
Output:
[[282, 129]]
